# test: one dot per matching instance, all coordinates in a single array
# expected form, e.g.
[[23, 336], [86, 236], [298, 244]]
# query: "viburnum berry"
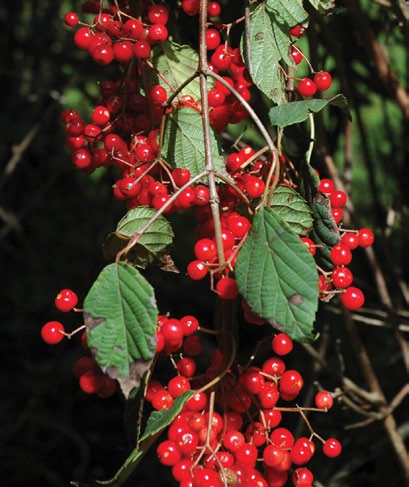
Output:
[[158, 14], [71, 19], [323, 80], [205, 249], [282, 344], [326, 186], [178, 385], [213, 38], [162, 399], [332, 448], [273, 455], [352, 298], [157, 95], [90, 382], [296, 54], [214, 9], [342, 277], [168, 453], [297, 31], [291, 383], [350, 239], [186, 366], [52, 332], [191, 7], [197, 270], [324, 400], [157, 33], [302, 451], [302, 477], [66, 300], [365, 237], [226, 288], [142, 49], [310, 244], [340, 255], [338, 199], [306, 87]]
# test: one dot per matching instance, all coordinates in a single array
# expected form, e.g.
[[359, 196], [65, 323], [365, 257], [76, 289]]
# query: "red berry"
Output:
[[142, 49], [324, 400], [213, 9], [297, 31], [273, 455], [306, 87], [90, 382], [157, 33], [157, 95], [71, 19], [332, 448], [323, 80], [291, 382], [168, 453], [66, 300], [158, 14], [162, 399], [340, 255], [310, 245], [226, 288], [100, 115], [282, 344], [191, 7], [178, 385], [52, 332], [365, 237], [296, 54], [342, 277], [350, 239], [352, 298], [213, 38], [338, 199], [189, 325], [205, 249], [326, 186], [197, 270]]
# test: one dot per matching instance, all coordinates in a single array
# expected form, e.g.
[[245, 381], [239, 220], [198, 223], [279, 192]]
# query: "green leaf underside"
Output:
[[325, 232], [183, 144], [276, 275], [322, 4], [293, 209], [298, 111], [120, 317], [151, 245], [268, 44], [176, 63]]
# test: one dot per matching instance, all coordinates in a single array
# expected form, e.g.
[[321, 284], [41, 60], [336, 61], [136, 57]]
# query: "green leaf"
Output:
[[151, 244], [288, 13], [175, 63], [159, 420], [276, 275], [298, 111], [120, 316], [293, 209], [183, 144], [268, 44], [322, 5]]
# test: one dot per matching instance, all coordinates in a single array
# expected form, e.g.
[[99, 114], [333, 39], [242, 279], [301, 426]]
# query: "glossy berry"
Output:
[[342, 277], [213, 38], [213, 9], [323, 80], [66, 300], [338, 199], [282, 344], [52, 332], [309, 244], [291, 382], [326, 186], [71, 19], [340, 255], [158, 14], [365, 237], [157, 95], [332, 448], [142, 49], [307, 87], [168, 453], [297, 31], [352, 298], [226, 288], [324, 400], [296, 54], [197, 270], [205, 249]]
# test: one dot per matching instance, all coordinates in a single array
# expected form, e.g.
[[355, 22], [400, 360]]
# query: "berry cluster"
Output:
[[91, 378], [321, 80], [234, 431], [340, 278]]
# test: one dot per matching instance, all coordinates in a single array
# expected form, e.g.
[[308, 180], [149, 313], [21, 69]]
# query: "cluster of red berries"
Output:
[[340, 279], [109, 38], [90, 376], [238, 437], [321, 80]]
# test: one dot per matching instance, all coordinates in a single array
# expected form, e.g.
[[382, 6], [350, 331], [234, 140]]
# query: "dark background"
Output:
[[53, 220]]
